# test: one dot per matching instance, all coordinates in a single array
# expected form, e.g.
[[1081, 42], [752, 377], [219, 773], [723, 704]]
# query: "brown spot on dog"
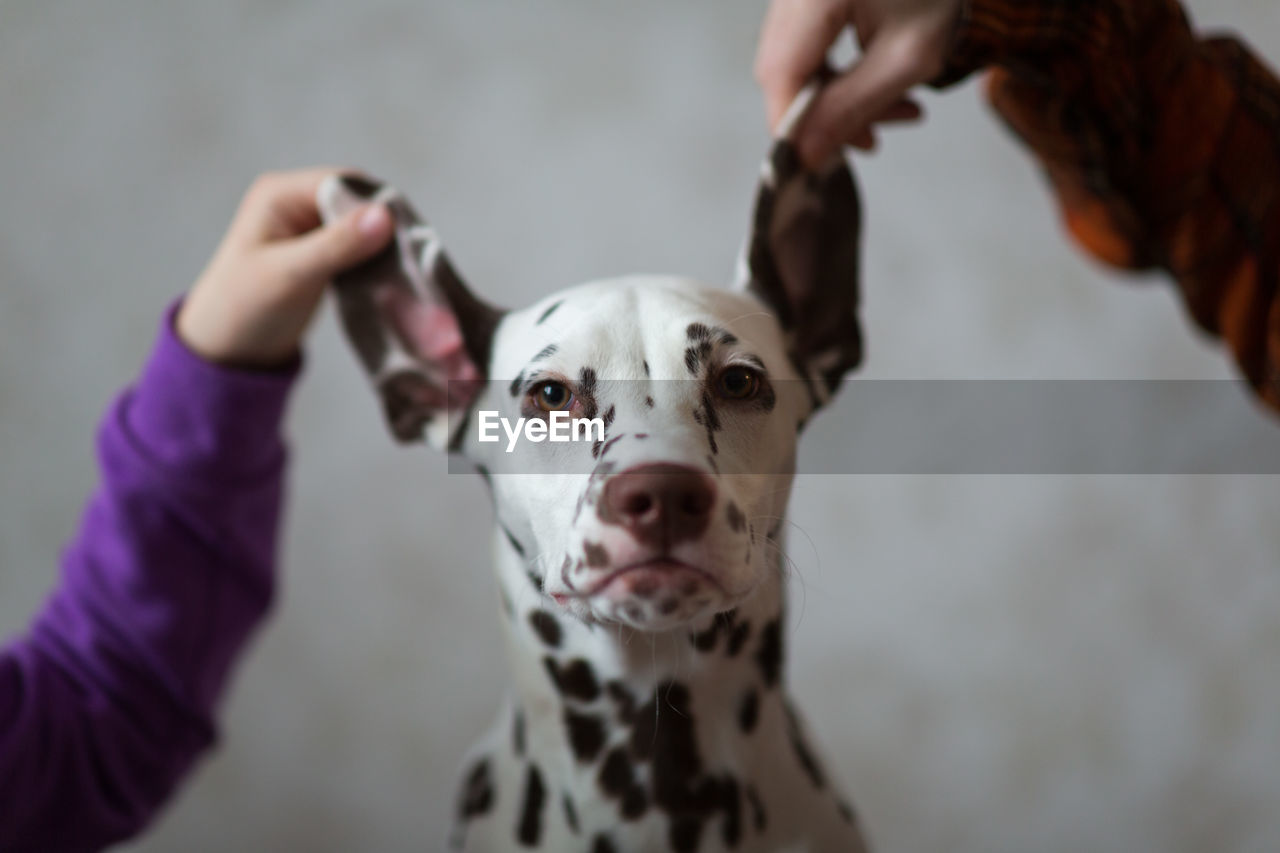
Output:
[[586, 735], [546, 352], [477, 792], [551, 309], [738, 638], [623, 699], [618, 781], [577, 680], [733, 515], [596, 555], [511, 538], [705, 641], [769, 652], [748, 711], [709, 412], [698, 332], [616, 775], [529, 829], [546, 627], [587, 392], [517, 733]]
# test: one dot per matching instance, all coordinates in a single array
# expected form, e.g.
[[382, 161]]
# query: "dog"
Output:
[[641, 570]]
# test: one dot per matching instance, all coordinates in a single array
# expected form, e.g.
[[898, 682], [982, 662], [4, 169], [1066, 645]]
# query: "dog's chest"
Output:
[[699, 753]]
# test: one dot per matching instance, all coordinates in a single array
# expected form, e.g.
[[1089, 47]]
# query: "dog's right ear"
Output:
[[802, 256], [421, 335]]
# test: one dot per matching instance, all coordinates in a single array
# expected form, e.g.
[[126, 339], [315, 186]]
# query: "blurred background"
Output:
[[990, 663]]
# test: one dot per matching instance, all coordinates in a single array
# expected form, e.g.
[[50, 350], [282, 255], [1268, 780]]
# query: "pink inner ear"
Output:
[[429, 332]]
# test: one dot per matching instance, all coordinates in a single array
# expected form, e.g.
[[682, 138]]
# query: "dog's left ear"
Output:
[[802, 260], [420, 334]]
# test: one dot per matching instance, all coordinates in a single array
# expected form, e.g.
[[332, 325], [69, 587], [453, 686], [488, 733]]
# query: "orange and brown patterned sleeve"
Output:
[[1163, 149]]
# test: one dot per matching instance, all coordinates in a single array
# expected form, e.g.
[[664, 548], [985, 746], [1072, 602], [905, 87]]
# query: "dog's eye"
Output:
[[552, 396], [738, 383]]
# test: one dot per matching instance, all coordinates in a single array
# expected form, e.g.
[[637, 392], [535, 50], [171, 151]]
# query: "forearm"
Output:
[[1163, 149], [108, 700]]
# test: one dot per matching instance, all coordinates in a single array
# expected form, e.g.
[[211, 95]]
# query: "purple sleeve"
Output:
[[110, 697]]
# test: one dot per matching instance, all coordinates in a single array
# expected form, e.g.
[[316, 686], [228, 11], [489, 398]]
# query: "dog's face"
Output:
[[666, 507], [667, 514]]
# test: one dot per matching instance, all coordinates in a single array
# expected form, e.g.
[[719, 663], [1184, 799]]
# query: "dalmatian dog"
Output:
[[641, 571]]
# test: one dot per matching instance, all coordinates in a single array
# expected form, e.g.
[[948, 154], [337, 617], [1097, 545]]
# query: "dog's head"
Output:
[[680, 403]]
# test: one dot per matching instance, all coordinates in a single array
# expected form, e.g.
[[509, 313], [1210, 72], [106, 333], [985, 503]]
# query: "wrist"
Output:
[[1056, 43], [207, 331], [196, 417], [1017, 34]]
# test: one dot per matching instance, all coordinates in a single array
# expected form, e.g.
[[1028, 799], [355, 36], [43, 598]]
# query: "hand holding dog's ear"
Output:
[[802, 256], [255, 299], [420, 334], [904, 42]]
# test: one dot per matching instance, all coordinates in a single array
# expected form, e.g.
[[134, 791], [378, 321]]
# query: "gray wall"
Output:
[[992, 663]]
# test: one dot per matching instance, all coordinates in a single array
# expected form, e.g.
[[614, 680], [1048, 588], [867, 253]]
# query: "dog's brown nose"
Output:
[[660, 504]]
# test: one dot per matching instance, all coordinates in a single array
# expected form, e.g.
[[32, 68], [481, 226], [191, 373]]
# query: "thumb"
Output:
[[846, 107], [322, 253]]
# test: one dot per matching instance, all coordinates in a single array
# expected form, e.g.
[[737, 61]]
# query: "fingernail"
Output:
[[373, 221]]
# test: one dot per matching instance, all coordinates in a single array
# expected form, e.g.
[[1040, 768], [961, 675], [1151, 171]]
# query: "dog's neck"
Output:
[[582, 690]]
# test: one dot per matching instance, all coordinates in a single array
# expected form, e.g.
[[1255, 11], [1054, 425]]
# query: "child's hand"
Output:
[[258, 293]]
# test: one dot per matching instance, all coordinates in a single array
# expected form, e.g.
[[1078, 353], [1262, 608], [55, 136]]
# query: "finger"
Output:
[[902, 110], [870, 88], [866, 23], [317, 256], [794, 41], [280, 205]]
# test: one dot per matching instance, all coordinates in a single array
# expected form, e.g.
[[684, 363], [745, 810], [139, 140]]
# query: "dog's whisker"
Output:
[[788, 567], [816, 555], [747, 316]]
